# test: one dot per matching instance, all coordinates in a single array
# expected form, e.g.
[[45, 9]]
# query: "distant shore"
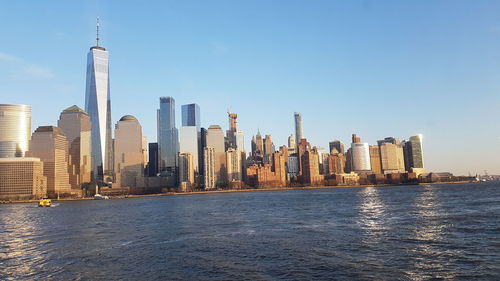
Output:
[[230, 191]]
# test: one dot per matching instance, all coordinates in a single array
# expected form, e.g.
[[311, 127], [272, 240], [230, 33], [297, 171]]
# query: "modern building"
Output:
[[98, 106], [168, 136], [375, 161], [240, 141], [22, 178], [391, 158], [299, 134], [76, 126], [50, 145], [191, 115], [292, 145], [209, 167], [186, 170], [231, 133], [360, 157], [414, 156], [188, 142], [257, 146], [129, 152], [215, 139], [152, 159], [15, 128]]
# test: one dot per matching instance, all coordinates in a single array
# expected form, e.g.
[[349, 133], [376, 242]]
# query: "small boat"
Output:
[[100, 197], [45, 202]]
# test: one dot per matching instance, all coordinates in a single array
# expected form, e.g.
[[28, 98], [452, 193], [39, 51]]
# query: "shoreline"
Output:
[[230, 191]]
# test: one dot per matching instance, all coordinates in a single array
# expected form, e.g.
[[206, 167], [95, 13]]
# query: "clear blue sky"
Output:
[[375, 68]]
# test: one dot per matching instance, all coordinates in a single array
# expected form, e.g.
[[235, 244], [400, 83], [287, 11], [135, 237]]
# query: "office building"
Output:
[[336, 162], [191, 115], [231, 133], [240, 141], [168, 138], [98, 107], [360, 156], [129, 152], [392, 158], [257, 146], [268, 145], [292, 145], [375, 161], [310, 167], [215, 139], [50, 145], [414, 157], [153, 159], [15, 128], [22, 178], [76, 126], [188, 142]]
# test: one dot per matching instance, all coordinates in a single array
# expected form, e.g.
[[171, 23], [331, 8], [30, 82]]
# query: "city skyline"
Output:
[[445, 130]]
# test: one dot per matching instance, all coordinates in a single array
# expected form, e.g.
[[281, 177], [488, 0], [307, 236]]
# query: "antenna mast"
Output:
[[97, 37]]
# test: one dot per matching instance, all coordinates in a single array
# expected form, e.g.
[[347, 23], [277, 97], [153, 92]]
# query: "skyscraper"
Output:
[[268, 145], [231, 133], [76, 126], [209, 167], [129, 155], [15, 128], [375, 161], [299, 134], [188, 142], [98, 106], [191, 115], [153, 159], [360, 157], [215, 139], [168, 139], [50, 145], [186, 169], [414, 156], [337, 145]]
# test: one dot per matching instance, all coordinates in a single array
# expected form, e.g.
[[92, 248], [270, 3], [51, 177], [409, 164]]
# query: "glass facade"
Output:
[[98, 106], [417, 156], [168, 139], [191, 115], [15, 128], [188, 142]]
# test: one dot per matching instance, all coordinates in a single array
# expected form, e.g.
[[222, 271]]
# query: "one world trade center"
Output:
[[98, 106]]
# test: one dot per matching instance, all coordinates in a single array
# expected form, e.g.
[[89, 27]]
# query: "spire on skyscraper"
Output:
[[97, 36]]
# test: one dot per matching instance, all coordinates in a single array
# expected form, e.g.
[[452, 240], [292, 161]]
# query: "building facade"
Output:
[[76, 126], [15, 128], [168, 136], [129, 152], [22, 178]]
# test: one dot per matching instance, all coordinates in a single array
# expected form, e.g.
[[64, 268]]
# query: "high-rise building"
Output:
[[76, 126], [279, 165], [188, 142], [191, 115], [168, 137], [360, 156], [50, 145], [355, 138], [302, 147], [129, 152], [268, 145], [392, 158], [234, 166], [337, 145], [299, 134], [153, 159], [310, 167], [186, 168], [22, 178], [375, 161], [98, 106], [240, 141], [257, 146], [15, 128], [215, 139], [336, 163], [231, 133], [414, 157], [292, 145], [209, 167]]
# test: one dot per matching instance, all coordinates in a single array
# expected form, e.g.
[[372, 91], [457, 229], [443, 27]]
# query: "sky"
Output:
[[374, 68]]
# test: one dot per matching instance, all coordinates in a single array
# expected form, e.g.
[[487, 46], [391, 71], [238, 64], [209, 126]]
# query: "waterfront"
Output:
[[402, 232]]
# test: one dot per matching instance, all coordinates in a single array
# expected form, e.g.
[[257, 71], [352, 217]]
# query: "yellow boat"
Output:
[[44, 202]]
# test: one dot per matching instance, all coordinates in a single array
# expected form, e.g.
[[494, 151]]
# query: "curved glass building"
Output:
[[15, 130], [360, 156]]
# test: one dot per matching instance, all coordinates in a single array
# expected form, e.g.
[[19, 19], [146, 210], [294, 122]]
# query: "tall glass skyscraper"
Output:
[[15, 130], [168, 139], [299, 134], [191, 115], [98, 106]]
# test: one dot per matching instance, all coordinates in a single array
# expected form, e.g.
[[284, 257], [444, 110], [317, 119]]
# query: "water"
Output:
[[435, 232]]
